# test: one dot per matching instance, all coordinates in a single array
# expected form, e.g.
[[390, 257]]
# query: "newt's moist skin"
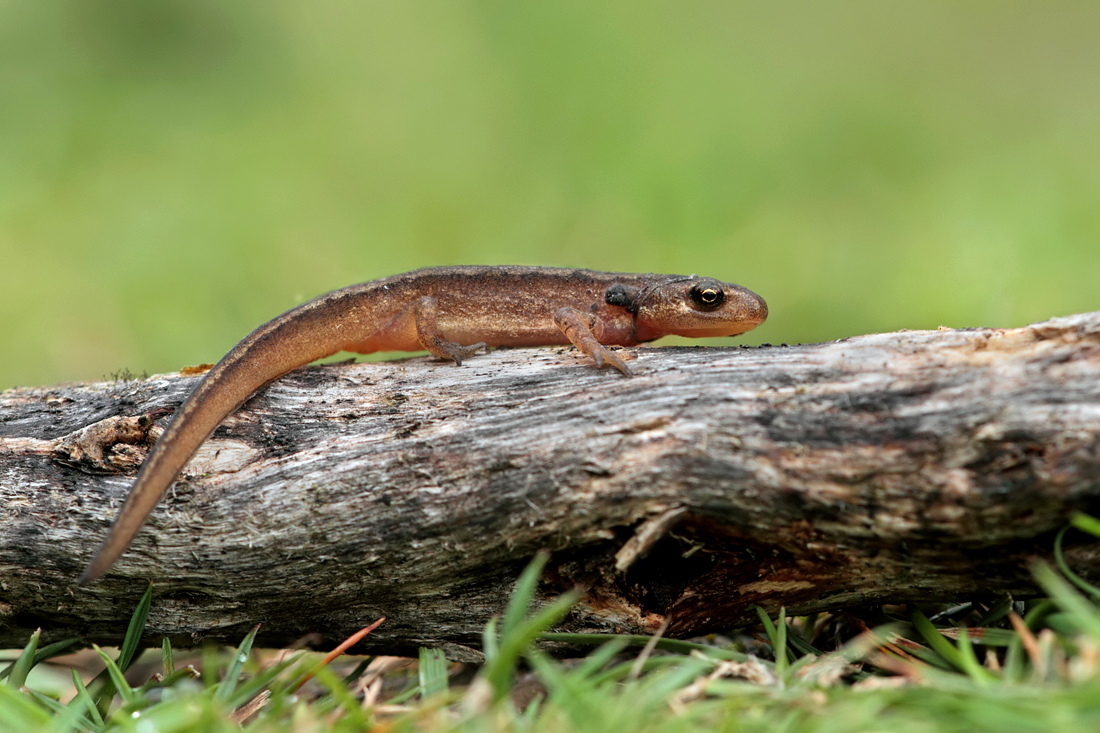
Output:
[[453, 312]]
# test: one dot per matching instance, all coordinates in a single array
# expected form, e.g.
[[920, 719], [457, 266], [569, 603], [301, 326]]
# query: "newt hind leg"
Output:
[[582, 329], [426, 317]]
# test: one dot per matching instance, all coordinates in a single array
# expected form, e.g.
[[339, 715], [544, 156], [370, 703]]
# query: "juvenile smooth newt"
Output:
[[452, 312]]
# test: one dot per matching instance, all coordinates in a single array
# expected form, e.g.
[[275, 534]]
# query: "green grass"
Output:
[[828, 673]]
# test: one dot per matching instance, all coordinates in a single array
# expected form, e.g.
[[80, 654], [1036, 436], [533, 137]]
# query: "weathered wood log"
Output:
[[884, 468]]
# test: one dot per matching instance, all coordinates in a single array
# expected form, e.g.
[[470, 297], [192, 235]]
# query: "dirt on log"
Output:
[[919, 465]]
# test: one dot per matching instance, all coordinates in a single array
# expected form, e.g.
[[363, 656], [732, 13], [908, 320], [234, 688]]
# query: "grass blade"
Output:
[[22, 665], [777, 635], [997, 612], [66, 718], [489, 640], [514, 644], [118, 682], [166, 658], [970, 662], [176, 676], [1077, 608], [19, 713], [518, 630], [104, 681], [600, 658], [982, 635], [802, 646], [229, 681], [949, 651], [356, 673], [1085, 523], [769, 627], [210, 661], [523, 594], [252, 687], [85, 699], [432, 671], [935, 639], [47, 652], [134, 631], [781, 642], [1060, 560], [352, 715], [54, 706]]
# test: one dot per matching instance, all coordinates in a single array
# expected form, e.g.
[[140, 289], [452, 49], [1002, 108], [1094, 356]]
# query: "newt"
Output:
[[452, 312]]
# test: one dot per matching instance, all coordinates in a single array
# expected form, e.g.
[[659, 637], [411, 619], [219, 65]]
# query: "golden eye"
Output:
[[708, 296]]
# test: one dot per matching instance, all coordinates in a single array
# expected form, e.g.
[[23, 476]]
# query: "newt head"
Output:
[[696, 307]]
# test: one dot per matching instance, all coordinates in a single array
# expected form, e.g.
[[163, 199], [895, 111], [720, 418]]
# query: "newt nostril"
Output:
[[760, 307]]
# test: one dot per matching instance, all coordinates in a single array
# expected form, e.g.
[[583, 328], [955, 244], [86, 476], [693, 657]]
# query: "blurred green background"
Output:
[[173, 174]]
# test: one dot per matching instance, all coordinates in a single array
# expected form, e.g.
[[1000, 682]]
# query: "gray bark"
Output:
[[885, 468]]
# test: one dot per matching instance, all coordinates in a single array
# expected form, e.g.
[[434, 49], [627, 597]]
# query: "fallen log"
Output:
[[924, 465]]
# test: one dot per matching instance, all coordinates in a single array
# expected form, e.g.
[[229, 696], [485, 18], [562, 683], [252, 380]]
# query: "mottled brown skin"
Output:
[[452, 312]]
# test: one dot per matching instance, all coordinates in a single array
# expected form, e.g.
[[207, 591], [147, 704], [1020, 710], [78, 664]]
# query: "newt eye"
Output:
[[708, 296]]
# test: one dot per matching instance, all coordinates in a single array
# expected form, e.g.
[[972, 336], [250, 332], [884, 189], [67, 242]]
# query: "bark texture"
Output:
[[924, 465]]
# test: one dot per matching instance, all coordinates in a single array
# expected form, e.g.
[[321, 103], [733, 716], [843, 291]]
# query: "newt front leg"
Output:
[[583, 331]]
